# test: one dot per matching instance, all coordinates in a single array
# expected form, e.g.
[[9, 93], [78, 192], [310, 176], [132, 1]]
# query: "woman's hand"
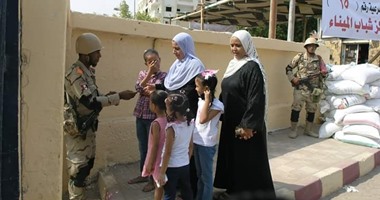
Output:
[[244, 133]]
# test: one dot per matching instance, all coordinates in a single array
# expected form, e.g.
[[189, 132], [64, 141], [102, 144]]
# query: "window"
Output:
[[168, 9], [356, 53]]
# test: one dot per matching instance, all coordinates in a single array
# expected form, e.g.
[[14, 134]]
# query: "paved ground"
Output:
[[303, 168]]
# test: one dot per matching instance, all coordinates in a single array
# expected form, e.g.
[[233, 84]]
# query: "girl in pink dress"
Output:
[[156, 139]]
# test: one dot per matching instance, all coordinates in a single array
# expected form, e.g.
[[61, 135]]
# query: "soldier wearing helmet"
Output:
[[305, 72], [83, 102]]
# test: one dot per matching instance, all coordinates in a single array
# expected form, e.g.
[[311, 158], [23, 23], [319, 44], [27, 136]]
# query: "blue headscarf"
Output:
[[182, 71]]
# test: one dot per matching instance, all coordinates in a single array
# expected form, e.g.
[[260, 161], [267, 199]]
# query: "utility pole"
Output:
[[272, 19], [202, 14], [291, 20], [134, 9]]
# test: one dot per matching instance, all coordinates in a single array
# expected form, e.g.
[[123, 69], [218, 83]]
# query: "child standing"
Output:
[[144, 116], [206, 131], [177, 148], [156, 139]]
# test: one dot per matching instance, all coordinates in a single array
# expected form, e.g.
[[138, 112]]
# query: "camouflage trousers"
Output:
[[79, 151], [301, 97]]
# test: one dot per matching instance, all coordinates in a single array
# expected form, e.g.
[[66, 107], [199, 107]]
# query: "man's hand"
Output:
[[110, 93], [295, 81], [127, 94]]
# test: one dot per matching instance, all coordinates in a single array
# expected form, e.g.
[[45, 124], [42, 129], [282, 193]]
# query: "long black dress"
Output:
[[243, 165]]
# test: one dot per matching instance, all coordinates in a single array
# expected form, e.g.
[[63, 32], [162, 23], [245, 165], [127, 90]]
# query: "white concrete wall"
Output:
[[43, 43]]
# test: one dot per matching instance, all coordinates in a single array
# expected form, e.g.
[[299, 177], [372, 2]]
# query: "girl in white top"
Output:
[[177, 148], [205, 135]]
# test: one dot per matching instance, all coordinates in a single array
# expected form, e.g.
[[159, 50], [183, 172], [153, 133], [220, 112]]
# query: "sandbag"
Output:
[[362, 130], [368, 118], [346, 87], [328, 129], [362, 73], [345, 101], [339, 114], [356, 139]]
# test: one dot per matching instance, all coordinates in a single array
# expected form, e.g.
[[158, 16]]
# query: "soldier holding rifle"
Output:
[[306, 72]]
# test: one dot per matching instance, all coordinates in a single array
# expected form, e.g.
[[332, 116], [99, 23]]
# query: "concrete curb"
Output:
[[331, 179], [108, 187]]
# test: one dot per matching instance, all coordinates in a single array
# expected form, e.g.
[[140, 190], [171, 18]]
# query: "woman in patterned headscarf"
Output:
[[243, 165]]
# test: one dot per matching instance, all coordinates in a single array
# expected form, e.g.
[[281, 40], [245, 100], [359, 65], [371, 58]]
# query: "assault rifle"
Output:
[[306, 81], [87, 122]]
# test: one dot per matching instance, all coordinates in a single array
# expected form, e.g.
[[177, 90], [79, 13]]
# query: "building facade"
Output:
[[345, 51], [165, 10]]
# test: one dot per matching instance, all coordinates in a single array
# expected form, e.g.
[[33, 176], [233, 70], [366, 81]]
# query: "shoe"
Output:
[[148, 187], [293, 130], [308, 130], [138, 179]]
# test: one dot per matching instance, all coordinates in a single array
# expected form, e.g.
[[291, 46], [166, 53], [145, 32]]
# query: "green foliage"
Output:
[[282, 30], [124, 10], [124, 13], [145, 17]]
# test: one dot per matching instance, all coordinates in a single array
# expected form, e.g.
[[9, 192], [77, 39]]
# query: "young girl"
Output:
[[206, 131], [143, 115], [177, 148], [156, 139]]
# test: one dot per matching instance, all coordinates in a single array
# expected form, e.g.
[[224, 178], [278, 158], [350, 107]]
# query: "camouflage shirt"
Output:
[[303, 66], [80, 81]]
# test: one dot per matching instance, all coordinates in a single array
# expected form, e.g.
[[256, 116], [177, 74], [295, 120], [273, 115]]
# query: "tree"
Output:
[[124, 13], [124, 10], [145, 17], [282, 30]]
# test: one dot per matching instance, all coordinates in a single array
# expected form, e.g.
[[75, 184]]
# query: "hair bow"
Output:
[[209, 73]]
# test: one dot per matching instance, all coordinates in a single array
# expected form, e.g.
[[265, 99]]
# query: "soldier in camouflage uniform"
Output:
[[86, 102], [304, 72]]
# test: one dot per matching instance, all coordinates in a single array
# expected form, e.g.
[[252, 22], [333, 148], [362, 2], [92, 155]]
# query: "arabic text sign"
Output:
[[358, 19]]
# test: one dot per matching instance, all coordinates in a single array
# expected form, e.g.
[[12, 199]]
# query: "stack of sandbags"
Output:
[[351, 104]]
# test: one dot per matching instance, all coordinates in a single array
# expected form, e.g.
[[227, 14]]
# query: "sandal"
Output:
[[148, 187], [138, 179]]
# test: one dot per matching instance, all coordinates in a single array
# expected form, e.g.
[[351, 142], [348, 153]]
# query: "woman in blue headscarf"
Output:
[[180, 78], [183, 71]]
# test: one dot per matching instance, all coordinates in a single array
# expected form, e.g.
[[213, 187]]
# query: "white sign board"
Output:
[[357, 19]]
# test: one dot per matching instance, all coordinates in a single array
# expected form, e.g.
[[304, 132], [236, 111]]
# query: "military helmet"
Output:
[[87, 43], [311, 41]]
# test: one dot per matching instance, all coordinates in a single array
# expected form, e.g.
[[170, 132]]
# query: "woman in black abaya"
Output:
[[242, 163]]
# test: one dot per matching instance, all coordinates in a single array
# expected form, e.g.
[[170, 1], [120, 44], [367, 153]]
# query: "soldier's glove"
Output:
[[127, 94]]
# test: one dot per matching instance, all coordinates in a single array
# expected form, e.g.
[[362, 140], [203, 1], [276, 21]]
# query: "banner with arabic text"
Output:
[[357, 19]]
